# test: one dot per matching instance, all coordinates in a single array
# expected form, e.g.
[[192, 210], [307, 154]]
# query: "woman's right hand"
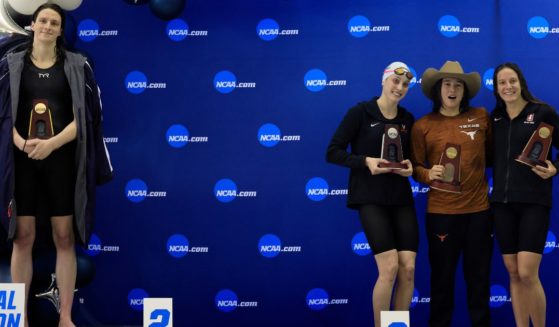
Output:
[[372, 164], [436, 172]]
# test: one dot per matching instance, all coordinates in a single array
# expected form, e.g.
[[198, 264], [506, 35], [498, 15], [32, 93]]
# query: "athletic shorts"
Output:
[[521, 227], [390, 227], [46, 187]]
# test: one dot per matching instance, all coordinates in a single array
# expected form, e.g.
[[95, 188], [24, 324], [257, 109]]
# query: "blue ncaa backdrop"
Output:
[[217, 115]]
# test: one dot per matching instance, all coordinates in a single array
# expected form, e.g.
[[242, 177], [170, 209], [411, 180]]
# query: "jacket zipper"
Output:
[[508, 163]]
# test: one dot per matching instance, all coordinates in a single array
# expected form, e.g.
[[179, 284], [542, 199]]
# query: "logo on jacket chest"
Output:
[[44, 75], [529, 119]]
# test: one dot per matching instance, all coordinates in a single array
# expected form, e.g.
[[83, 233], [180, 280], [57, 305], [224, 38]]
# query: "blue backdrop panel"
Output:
[[218, 123]]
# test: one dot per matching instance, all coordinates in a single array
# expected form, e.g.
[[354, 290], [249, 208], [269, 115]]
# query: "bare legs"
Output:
[[22, 263], [527, 294], [393, 267]]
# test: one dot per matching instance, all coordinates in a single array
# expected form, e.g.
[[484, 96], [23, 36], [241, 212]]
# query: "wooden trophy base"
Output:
[[530, 161], [446, 186], [393, 165]]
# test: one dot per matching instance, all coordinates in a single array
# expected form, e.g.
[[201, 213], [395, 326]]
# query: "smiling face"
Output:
[[508, 86], [47, 27], [452, 93], [395, 87]]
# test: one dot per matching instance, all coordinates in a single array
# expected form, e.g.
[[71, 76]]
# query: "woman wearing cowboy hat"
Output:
[[449, 153], [522, 194], [382, 195]]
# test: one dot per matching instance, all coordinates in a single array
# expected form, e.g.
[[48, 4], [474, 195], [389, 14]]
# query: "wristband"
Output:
[[24, 143]]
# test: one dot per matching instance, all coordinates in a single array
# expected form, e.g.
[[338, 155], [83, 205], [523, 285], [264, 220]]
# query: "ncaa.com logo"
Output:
[[177, 30], [177, 136], [136, 82], [316, 80], [318, 299], [360, 245], [317, 189], [270, 246], [110, 139], [225, 82], [226, 301], [417, 299], [178, 246], [88, 30], [269, 135], [94, 247], [550, 243], [269, 29], [488, 78], [538, 27], [360, 26], [449, 26], [225, 190], [136, 298], [498, 296], [136, 191], [417, 188]]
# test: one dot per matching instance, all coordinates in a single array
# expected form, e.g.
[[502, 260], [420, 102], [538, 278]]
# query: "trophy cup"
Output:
[[450, 159], [536, 150], [392, 148], [40, 121]]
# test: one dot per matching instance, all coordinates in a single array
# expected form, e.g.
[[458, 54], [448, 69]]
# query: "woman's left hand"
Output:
[[43, 148], [405, 172], [545, 172]]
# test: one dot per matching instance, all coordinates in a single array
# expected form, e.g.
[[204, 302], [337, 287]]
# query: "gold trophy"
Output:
[[450, 159], [40, 121], [536, 150], [392, 148]]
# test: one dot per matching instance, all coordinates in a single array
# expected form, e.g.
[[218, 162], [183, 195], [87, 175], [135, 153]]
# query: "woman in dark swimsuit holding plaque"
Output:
[[54, 98], [448, 153], [379, 187], [524, 130]]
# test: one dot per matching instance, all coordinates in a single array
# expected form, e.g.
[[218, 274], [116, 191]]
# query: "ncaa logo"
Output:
[[488, 78], [317, 299], [269, 135], [267, 29], [225, 190], [360, 245], [414, 298], [538, 27], [136, 190], [177, 30], [269, 245], [88, 30], [225, 81], [177, 136], [136, 298], [136, 82], [359, 26], [226, 300], [550, 243], [413, 81], [177, 246], [449, 26], [94, 246], [499, 296], [315, 80], [317, 189]]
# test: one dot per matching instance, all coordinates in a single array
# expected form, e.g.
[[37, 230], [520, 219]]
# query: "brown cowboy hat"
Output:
[[450, 69]]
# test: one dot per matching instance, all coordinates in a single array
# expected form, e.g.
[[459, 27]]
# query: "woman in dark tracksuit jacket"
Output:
[[522, 195], [382, 196]]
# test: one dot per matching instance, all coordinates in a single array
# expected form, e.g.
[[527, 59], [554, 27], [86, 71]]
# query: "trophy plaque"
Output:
[[392, 148], [40, 121], [536, 150], [450, 159]]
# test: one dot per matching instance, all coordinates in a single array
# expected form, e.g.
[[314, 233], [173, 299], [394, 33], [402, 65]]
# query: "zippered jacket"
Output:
[[93, 164], [512, 180]]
